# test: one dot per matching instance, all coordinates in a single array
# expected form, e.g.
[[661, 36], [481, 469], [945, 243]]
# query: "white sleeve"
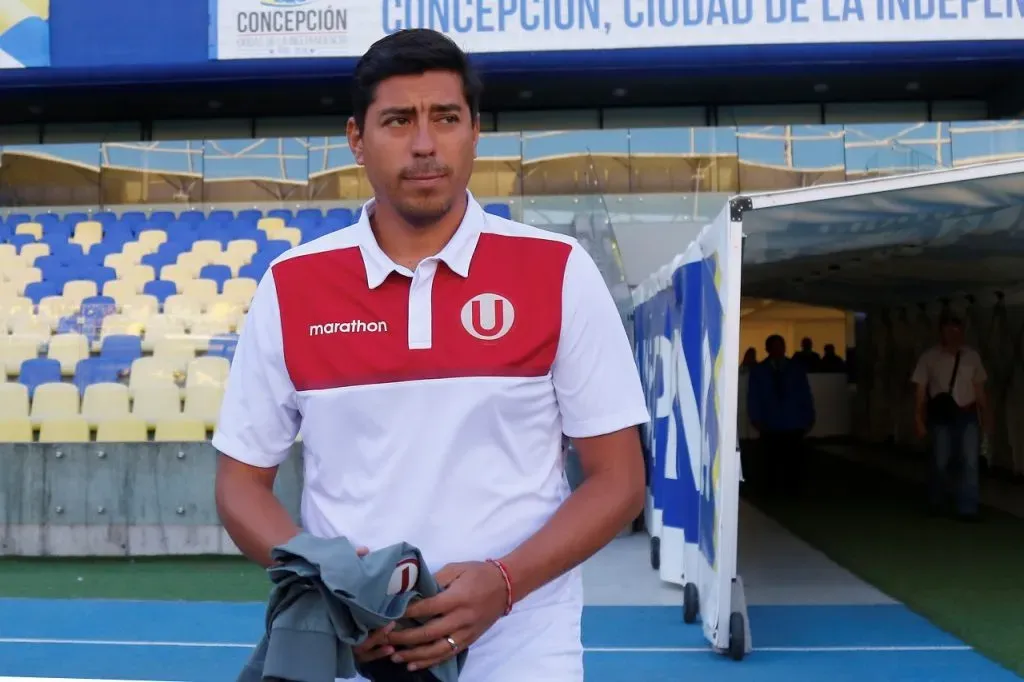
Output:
[[595, 375], [259, 416]]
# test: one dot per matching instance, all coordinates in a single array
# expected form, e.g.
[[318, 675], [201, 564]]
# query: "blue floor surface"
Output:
[[208, 642]]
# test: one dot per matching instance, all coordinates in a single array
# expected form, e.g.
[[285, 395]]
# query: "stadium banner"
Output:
[[24, 34], [260, 29], [686, 322]]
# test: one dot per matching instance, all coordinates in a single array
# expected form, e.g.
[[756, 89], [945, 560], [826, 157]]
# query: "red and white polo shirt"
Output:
[[431, 403]]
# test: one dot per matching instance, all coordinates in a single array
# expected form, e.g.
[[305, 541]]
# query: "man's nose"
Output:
[[423, 140]]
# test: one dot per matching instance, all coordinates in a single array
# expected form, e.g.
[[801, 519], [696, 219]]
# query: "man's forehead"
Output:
[[431, 89]]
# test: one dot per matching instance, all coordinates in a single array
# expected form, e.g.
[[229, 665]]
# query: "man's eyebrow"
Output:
[[411, 111]]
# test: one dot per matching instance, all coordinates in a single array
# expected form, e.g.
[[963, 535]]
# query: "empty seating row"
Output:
[[103, 401], [174, 367], [76, 429]]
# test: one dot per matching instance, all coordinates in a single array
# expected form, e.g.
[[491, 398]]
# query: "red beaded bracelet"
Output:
[[508, 584]]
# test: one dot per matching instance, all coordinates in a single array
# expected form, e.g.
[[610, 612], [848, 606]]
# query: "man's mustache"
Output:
[[427, 170]]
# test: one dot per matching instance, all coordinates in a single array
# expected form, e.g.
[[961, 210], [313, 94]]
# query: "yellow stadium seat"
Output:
[[117, 324], [15, 430], [120, 290], [202, 290], [13, 399], [16, 306], [31, 327], [241, 290], [242, 248], [53, 308], [17, 350], [208, 249], [8, 290], [160, 327], [64, 430], [178, 274], [178, 351], [180, 429], [184, 308], [203, 403], [54, 400], [29, 253], [68, 349], [138, 274], [203, 329], [136, 250], [8, 253], [152, 239], [22, 278], [88, 231], [148, 372], [270, 224], [105, 401], [126, 429], [292, 235], [208, 370], [241, 324], [34, 229], [153, 403], [122, 260], [79, 289], [192, 262], [140, 307]]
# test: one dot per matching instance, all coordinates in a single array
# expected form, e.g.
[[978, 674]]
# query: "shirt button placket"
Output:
[[420, 304]]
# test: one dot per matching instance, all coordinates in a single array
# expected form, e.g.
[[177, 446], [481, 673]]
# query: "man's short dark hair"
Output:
[[410, 53]]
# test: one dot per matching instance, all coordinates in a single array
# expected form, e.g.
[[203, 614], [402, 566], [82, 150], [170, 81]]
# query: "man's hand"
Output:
[[473, 599], [377, 644], [920, 427]]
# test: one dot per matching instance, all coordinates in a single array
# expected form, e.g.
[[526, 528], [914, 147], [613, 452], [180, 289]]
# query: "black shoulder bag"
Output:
[[942, 407]]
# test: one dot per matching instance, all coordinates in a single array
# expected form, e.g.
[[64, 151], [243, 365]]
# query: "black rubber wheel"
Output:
[[691, 603], [737, 637], [655, 553]]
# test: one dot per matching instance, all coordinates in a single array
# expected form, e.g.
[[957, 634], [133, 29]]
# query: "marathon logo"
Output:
[[298, 17], [353, 327]]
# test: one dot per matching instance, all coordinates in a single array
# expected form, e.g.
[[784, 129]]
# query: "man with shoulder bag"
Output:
[[951, 409]]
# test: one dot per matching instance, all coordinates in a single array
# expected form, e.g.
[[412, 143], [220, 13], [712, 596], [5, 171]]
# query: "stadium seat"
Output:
[[68, 350], [240, 290], [54, 400], [16, 430], [155, 403], [180, 429], [149, 372], [501, 210], [77, 290], [207, 371], [31, 327], [16, 351], [14, 400], [127, 429], [33, 229], [103, 401], [202, 402], [73, 429], [36, 372]]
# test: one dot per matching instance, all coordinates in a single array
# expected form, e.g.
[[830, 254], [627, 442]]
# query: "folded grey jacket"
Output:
[[326, 600]]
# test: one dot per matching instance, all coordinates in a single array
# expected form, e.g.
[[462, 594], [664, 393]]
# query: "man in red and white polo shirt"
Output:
[[431, 357]]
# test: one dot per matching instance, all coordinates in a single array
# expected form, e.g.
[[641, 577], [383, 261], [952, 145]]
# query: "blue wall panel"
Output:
[[128, 32]]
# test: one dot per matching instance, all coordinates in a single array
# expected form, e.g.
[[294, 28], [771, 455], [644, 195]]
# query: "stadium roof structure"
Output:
[[895, 241]]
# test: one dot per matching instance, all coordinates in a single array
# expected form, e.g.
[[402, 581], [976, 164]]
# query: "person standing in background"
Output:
[[950, 405], [781, 408]]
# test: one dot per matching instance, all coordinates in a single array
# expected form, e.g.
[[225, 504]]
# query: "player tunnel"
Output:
[[882, 260]]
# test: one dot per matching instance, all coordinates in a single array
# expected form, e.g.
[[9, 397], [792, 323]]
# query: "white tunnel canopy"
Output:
[[900, 240]]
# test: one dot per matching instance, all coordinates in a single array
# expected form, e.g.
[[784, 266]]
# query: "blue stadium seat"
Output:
[[223, 346], [250, 214], [254, 270], [19, 240], [133, 217], [160, 289], [162, 257], [162, 217], [98, 273], [192, 217], [121, 347], [105, 217], [75, 217], [222, 216], [282, 213], [501, 210], [99, 370], [218, 273], [37, 291], [341, 213], [39, 371], [68, 254]]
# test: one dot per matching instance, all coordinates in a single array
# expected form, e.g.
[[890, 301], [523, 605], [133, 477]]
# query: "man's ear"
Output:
[[355, 140]]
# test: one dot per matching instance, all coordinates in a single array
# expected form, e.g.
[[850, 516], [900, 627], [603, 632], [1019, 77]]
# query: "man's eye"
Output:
[[397, 121]]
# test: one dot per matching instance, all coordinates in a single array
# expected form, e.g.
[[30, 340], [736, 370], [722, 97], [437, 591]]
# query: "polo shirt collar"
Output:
[[456, 254]]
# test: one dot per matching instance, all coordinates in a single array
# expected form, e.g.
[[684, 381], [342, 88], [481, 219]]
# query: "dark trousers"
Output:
[[955, 453], [780, 462]]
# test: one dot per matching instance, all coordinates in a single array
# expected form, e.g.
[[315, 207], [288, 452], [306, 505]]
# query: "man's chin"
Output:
[[425, 213]]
